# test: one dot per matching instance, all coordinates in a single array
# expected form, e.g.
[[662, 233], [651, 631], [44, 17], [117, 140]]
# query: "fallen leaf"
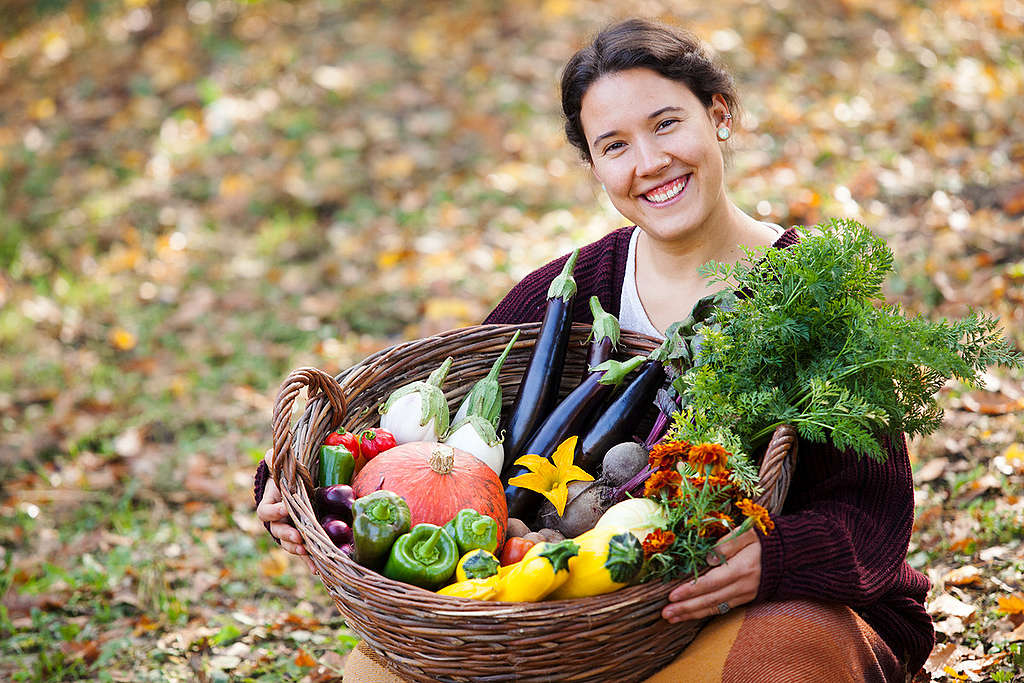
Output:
[[122, 340], [962, 576], [950, 627], [943, 655], [947, 605], [949, 671], [275, 564], [304, 659], [990, 403], [931, 470], [1016, 635], [1010, 604]]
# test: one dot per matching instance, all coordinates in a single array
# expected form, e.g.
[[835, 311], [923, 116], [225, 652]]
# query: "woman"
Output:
[[828, 594]]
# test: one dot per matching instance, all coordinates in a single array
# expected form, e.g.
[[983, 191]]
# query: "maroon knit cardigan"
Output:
[[844, 530]]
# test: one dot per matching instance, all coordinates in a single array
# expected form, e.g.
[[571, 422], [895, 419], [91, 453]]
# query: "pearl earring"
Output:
[[723, 129]]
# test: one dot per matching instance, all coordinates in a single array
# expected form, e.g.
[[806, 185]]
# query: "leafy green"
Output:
[[807, 343]]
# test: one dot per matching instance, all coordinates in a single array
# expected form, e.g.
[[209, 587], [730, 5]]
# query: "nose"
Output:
[[651, 159]]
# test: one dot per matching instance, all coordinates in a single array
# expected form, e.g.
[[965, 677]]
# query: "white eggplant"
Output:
[[484, 399], [476, 436], [418, 411]]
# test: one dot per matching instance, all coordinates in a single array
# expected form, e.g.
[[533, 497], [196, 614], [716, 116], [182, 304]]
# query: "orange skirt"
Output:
[[797, 641]]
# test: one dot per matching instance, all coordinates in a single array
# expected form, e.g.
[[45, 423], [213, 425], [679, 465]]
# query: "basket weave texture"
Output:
[[426, 637]]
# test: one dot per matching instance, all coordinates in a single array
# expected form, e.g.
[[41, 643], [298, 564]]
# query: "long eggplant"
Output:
[[620, 417], [538, 390], [604, 335], [564, 421]]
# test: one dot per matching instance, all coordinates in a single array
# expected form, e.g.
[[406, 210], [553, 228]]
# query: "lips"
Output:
[[668, 191]]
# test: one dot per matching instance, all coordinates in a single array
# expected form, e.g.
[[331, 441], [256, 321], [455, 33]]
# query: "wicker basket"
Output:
[[426, 637]]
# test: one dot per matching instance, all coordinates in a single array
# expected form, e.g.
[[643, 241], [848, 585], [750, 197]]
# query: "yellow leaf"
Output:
[[122, 340], [953, 674], [43, 108], [275, 564], [1014, 455], [1011, 604]]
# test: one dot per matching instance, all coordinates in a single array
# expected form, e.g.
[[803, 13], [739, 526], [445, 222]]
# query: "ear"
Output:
[[717, 111], [596, 176]]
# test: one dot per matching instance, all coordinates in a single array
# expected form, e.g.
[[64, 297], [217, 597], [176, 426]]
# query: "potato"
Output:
[[535, 536], [516, 527], [622, 462], [552, 535]]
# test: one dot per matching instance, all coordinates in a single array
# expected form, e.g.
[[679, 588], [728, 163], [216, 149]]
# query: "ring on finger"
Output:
[[722, 608]]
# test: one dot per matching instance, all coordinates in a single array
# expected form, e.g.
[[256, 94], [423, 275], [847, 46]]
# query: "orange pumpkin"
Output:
[[436, 481]]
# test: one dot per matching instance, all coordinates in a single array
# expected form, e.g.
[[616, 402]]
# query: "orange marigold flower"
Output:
[[666, 454], [658, 541], [706, 455], [716, 524], [662, 480], [757, 514], [720, 480]]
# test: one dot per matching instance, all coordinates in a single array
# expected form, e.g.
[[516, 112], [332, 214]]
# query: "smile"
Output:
[[668, 191]]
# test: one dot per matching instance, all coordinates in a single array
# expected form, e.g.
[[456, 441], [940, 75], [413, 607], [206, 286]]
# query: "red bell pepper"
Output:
[[375, 441]]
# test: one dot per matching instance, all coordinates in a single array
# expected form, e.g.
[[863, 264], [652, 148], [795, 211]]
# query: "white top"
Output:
[[632, 315]]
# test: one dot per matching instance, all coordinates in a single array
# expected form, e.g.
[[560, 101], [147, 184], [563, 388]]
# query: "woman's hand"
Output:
[[271, 509], [735, 582]]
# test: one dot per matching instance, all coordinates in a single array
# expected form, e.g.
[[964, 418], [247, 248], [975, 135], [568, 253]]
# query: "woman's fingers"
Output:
[[734, 583], [729, 547]]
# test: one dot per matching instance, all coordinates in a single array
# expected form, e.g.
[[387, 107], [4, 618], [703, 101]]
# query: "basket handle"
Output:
[[319, 386], [777, 468]]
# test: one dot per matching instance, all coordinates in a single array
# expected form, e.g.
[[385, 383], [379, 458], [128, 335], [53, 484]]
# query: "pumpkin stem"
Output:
[[442, 459]]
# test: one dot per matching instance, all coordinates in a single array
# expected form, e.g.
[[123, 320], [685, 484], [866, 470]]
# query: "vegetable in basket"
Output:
[[337, 463], [604, 333], [473, 589], [639, 516], [515, 549], [472, 530], [609, 558], [379, 518], [340, 533], [477, 564], [373, 442], [621, 416], [436, 481], [566, 419], [474, 428], [538, 390], [418, 411], [424, 557], [544, 568], [334, 500]]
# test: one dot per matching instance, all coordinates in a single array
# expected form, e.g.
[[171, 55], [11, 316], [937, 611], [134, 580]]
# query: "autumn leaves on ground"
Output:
[[196, 198]]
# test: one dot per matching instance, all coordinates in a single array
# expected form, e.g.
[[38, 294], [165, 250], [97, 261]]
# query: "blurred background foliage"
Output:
[[197, 197]]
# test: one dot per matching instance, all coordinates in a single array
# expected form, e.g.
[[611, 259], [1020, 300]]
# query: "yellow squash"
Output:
[[474, 589], [608, 559], [543, 569]]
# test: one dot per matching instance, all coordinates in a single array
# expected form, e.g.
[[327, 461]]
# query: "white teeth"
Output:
[[664, 196]]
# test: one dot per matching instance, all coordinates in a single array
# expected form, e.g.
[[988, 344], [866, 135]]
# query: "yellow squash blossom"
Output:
[[551, 477]]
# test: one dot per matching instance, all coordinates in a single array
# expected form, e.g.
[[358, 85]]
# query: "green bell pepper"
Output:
[[378, 518], [472, 530], [336, 465], [425, 557]]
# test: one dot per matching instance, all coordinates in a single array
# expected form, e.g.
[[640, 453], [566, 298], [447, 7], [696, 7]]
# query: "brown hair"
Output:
[[637, 43]]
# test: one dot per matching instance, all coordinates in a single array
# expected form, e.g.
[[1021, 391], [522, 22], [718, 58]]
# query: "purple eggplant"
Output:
[[615, 423], [340, 534], [604, 335], [565, 420], [335, 501], [538, 390]]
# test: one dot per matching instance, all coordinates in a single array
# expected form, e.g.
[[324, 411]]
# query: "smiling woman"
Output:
[[828, 594]]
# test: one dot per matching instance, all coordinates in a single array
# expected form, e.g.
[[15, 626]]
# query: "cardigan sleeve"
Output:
[[844, 530]]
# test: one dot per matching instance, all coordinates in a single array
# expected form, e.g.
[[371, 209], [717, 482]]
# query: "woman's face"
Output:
[[654, 147]]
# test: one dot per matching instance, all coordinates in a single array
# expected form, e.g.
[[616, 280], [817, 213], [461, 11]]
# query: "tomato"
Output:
[[374, 441], [514, 550]]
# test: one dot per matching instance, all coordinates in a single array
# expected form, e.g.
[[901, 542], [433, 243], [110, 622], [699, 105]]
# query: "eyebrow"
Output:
[[650, 116]]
